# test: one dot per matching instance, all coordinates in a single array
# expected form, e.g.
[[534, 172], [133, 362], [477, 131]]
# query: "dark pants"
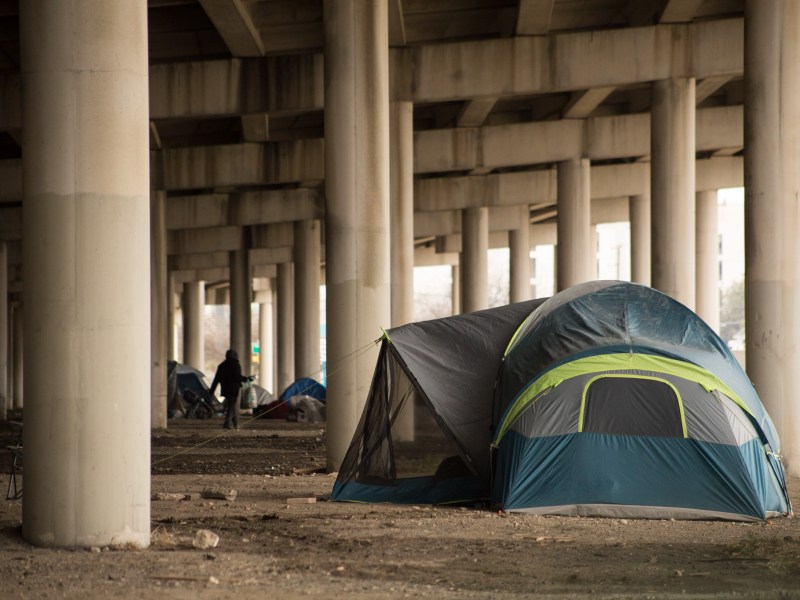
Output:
[[231, 412]]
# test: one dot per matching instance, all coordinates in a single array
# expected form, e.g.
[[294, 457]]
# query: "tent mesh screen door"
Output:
[[398, 436]]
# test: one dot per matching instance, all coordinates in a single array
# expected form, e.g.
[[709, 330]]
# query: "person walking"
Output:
[[229, 377]]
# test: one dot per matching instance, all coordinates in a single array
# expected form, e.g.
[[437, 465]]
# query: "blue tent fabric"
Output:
[[621, 316], [593, 468], [304, 386], [519, 391], [558, 469]]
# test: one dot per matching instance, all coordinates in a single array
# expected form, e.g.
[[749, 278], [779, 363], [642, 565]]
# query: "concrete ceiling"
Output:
[[269, 43]]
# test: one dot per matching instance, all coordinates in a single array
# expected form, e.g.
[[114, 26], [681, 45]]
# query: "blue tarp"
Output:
[[304, 387]]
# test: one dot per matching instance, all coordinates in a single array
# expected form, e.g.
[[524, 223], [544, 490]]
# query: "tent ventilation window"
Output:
[[632, 405]]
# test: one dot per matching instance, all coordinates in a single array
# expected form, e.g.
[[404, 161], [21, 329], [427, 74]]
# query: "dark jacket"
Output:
[[228, 376]]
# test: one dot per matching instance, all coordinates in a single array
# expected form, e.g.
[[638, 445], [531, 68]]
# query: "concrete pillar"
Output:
[[402, 212], [265, 337], [519, 243], [401, 127], [286, 337], [455, 289], [17, 388], [275, 347], [158, 310], [639, 211], [241, 292], [357, 193], [194, 298], [306, 298], [707, 262], [86, 267], [576, 258], [4, 333], [172, 310], [772, 229], [672, 188], [474, 259]]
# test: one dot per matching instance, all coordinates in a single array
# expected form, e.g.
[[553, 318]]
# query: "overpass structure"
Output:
[[252, 150]]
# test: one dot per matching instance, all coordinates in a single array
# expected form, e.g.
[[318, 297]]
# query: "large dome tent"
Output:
[[616, 400]]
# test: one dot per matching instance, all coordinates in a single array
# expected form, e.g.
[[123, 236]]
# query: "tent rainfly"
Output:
[[608, 399]]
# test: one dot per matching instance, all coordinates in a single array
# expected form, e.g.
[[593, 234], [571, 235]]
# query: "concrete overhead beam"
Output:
[[190, 276], [543, 234], [534, 17], [204, 240], [583, 103], [612, 57], [232, 20], [610, 210], [427, 256], [255, 127], [542, 142], [208, 167], [680, 11], [538, 187], [452, 243], [248, 208], [455, 71], [276, 84], [271, 256], [446, 222], [441, 150], [218, 263], [475, 111]]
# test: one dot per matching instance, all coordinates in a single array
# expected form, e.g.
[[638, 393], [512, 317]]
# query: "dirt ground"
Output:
[[269, 547]]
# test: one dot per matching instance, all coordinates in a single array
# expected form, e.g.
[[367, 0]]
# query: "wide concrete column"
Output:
[[158, 310], [707, 262], [17, 366], [672, 188], [519, 243], [241, 293], [86, 267], [576, 257], [306, 297], [357, 197], [772, 229], [286, 337], [265, 346], [4, 333], [639, 211], [401, 128], [474, 259], [193, 303]]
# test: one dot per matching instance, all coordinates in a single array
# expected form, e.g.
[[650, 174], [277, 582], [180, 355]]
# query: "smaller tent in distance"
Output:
[[282, 407], [188, 393]]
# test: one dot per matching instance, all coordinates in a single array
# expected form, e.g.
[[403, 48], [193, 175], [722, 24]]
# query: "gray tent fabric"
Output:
[[468, 349]]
